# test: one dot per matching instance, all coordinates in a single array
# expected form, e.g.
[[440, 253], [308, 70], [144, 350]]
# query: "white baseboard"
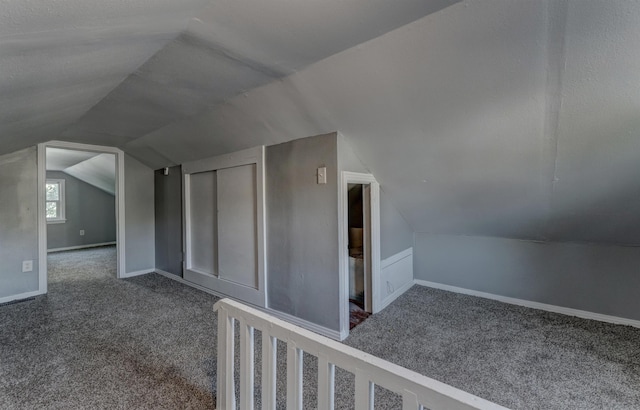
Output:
[[21, 296], [186, 282], [136, 273], [387, 301], [324, 331], [534, 305], [71, 248], [333, 334]]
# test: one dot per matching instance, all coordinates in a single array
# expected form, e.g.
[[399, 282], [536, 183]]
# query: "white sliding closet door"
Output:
[[224, 225], [238, 253]]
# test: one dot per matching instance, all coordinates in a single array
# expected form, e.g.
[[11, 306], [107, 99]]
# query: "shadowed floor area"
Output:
[[97, 342], [149, 343]]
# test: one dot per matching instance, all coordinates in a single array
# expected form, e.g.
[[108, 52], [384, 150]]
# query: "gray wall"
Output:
[[18, 221], [140, 220], [87, 208], [596, 278], [302, 230], [395, 233], [168, 220]]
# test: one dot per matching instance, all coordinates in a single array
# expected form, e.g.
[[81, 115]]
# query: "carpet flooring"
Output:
[[95, 342]]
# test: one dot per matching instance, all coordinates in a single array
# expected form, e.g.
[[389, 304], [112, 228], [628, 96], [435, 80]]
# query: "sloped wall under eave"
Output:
[[18, 222], [395, 233], [595, 278]]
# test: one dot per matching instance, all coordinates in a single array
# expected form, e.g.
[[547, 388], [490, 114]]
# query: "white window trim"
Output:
[[62, 201]]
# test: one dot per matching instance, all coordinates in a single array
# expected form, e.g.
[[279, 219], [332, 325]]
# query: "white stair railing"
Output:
[[418, 392]]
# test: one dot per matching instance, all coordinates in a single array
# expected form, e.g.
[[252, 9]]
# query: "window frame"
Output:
[[61, 218]]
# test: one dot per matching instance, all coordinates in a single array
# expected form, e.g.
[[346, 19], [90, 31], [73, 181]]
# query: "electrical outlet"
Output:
[[81, 232], [27, 266]]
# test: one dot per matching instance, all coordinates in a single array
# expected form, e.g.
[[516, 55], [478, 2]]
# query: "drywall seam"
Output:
[[533, 305], [556, 62]]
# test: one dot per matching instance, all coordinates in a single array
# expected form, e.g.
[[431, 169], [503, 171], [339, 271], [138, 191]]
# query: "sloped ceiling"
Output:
[[486, 117], [93, 168], [233, 46]]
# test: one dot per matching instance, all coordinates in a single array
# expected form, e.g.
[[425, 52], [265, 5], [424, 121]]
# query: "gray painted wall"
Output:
[[596, 278], [302, 230], [87, 208], [395, 233], [168, 220], [18, 221], [140, 219]]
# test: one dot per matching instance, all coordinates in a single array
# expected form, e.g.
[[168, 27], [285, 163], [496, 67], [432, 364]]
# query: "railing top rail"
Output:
[[393, 377]]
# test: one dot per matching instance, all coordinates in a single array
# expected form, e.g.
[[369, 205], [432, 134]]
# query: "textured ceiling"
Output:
[[490, 118], [486, 117], [93, 168], [60, 58], [110, 72]]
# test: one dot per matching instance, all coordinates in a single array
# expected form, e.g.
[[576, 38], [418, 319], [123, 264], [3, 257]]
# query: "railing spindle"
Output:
[[294, 376], [269, 357], [326, 383], [369, 370], [410, 401], [226, 398], [246, 366], [364, 391]]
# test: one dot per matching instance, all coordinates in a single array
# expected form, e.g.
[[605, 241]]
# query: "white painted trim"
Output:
[[325, 331], [188, 283], [20, 296], [390, 261], [119, 200], [390, 298], [534, 305], [416, 390], [345, 179], [42, 219], [72, 248], [137, 273], [249, 156], [321, 330], [396, 258]]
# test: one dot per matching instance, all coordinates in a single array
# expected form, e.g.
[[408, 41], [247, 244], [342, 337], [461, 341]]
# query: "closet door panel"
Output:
[[237, 225], [204, 250]]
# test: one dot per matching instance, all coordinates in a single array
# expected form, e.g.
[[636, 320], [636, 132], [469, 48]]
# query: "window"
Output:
[[54, 197]]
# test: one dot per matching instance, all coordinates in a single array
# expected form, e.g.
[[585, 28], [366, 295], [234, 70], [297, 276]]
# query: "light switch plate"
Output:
[[27, 266], [322, 175]]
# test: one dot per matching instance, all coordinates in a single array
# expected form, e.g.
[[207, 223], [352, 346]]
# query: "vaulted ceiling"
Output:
[[488, 117]]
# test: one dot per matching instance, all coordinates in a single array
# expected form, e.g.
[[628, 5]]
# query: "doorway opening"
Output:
[[80, 206], [80, 202], [360, 248]]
